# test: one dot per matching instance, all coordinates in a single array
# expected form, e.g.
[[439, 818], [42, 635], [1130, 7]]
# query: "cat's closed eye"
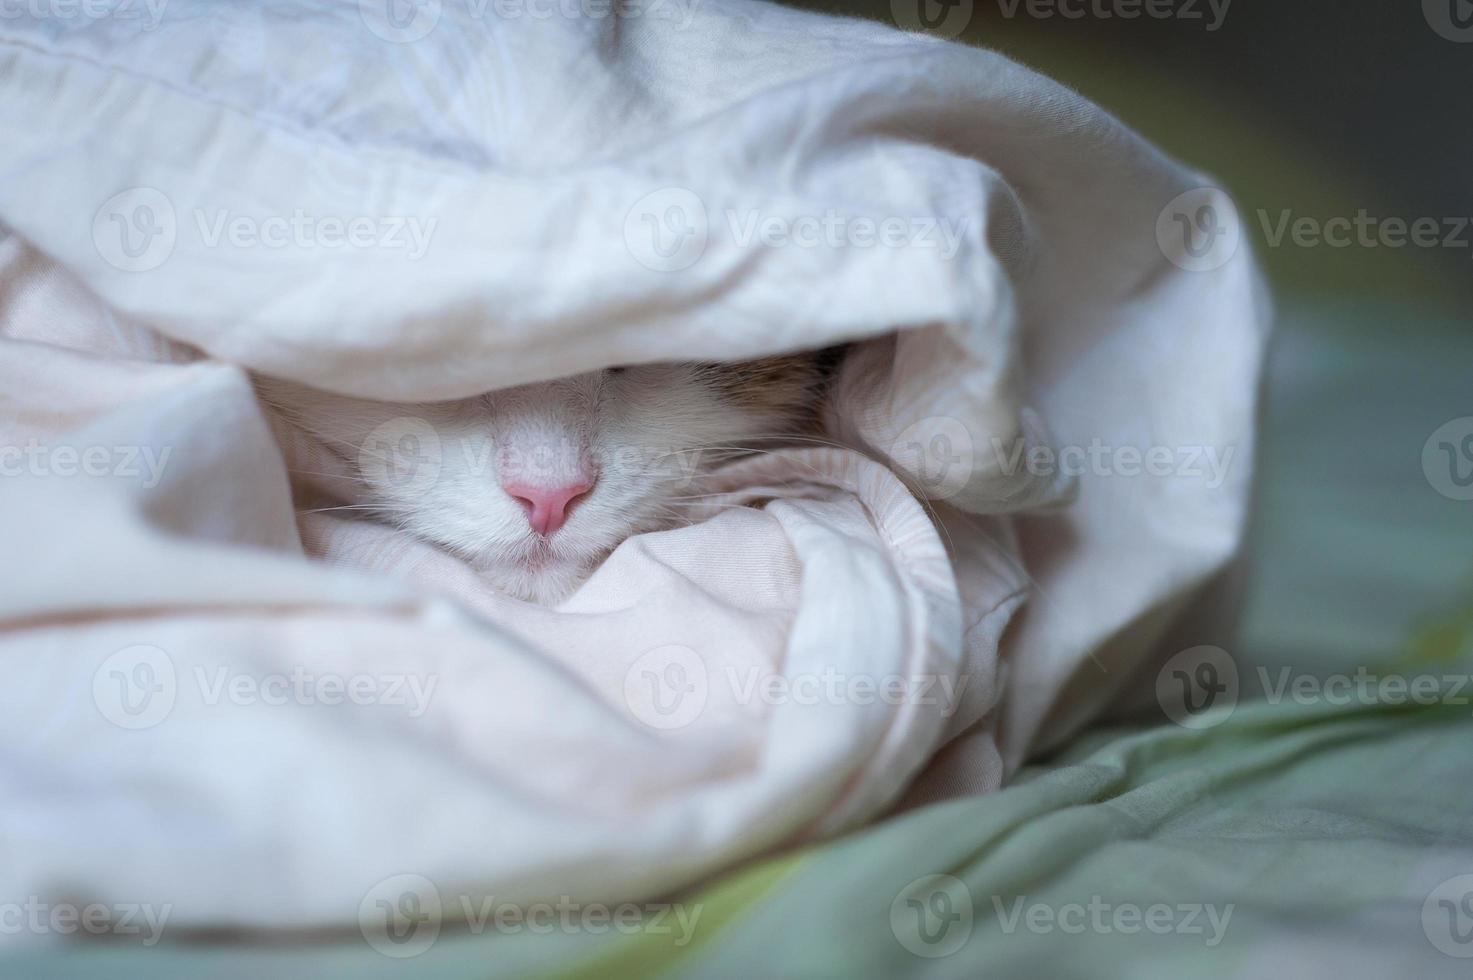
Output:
[[535, 484]]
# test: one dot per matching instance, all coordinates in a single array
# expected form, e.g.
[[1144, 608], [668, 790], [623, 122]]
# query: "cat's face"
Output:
[[535, 485]]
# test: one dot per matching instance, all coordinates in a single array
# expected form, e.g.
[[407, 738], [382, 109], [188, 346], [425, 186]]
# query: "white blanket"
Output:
[[437, 203]]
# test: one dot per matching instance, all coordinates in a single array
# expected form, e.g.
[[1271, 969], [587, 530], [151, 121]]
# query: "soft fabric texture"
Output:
[[534, 198]]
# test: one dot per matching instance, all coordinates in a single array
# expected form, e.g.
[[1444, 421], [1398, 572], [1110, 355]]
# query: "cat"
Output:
[[534, 485]]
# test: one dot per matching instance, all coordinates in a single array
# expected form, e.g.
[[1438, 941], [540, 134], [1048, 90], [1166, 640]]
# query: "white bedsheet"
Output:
[[197, 714]]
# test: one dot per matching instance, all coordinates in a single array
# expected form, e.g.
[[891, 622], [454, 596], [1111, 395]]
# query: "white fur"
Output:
[[649, 430]]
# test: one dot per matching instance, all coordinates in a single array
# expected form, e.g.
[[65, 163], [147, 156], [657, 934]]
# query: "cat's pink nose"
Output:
[[547, 505]]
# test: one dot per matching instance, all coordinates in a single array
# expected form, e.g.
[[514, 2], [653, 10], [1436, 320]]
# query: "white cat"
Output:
[[535, 485]]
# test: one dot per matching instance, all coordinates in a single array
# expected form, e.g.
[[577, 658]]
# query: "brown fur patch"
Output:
[[789, 385]]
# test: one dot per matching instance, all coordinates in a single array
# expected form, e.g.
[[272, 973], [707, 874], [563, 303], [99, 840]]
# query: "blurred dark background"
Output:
[[1319, 107]]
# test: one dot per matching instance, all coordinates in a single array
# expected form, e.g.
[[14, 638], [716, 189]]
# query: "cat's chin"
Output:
[[536, 570], [543, 580]]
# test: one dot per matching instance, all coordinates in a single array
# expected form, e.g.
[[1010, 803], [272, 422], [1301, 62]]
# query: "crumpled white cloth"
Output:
[[429, 206]]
